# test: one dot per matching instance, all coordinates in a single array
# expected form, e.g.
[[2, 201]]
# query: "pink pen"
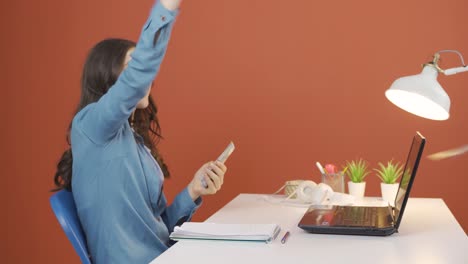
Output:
[[285, 237]]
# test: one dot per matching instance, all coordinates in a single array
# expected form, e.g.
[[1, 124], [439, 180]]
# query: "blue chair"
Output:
[[64, 208]]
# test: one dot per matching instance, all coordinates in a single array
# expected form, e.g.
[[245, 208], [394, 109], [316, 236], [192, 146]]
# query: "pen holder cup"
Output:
[[335, 180], [291, 186]]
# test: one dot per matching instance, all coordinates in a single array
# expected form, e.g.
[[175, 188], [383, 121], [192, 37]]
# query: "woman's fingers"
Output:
[[213, 174], [221, 166], [215, 168], [214, 178], [210, 189], [218, 170]]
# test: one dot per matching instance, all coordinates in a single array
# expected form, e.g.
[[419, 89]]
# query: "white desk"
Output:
[[429, 234]]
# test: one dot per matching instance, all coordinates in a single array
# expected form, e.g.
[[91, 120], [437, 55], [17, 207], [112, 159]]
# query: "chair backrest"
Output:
[[64, 208]]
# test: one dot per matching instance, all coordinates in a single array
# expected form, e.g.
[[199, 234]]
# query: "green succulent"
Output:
[[389, 174], [357, 170]]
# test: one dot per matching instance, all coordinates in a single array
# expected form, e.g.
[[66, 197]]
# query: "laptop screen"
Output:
[[409, 172]]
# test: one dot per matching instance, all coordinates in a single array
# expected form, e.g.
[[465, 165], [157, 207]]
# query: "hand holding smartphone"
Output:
[[222, 158]]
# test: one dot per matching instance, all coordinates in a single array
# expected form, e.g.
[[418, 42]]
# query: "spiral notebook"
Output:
[[237, 232]]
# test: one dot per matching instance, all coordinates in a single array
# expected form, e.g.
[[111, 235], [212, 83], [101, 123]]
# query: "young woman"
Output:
[[113, 166]]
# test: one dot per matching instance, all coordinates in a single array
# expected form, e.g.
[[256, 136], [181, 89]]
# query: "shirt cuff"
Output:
[[186, 204], [160, 16]]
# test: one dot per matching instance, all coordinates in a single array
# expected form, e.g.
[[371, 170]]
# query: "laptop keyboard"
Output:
[[357, 216]]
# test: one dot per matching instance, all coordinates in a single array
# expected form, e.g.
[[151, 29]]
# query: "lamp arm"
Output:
[[454, 51], [455, 70], [450, 71]]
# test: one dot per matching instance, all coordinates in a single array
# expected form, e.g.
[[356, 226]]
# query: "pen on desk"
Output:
[[285, 237]]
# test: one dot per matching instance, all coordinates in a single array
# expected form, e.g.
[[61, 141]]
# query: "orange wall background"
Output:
[[291, 83]]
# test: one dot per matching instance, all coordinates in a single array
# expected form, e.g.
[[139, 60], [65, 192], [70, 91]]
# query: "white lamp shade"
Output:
[[421, 95]]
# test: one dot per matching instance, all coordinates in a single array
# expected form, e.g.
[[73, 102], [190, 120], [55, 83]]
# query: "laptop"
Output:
[[362, 220]]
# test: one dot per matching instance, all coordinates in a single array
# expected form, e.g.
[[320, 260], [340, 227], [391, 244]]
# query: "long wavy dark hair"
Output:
[[103, 66]]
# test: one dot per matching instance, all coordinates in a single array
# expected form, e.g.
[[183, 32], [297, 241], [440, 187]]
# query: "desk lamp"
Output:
[[421, 94]]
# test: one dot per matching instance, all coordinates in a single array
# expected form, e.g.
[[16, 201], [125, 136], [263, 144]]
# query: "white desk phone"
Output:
[[308, 192]]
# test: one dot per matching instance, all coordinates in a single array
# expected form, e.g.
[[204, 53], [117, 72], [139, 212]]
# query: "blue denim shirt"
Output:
[[117, 185]]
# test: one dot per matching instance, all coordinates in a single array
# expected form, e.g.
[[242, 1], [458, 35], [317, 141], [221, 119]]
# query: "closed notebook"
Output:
[[213, 231]]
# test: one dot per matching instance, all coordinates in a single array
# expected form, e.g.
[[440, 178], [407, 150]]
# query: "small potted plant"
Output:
[[357, 170], [389, 174]]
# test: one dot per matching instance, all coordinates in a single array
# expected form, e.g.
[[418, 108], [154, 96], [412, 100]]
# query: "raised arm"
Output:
[[100, 121]]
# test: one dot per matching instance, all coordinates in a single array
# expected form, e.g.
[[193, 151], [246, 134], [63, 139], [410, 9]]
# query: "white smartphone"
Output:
[[222, 158], [226, 153]]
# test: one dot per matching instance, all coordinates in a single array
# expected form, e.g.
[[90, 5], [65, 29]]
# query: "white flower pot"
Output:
[[356, 189], [389, 191]]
